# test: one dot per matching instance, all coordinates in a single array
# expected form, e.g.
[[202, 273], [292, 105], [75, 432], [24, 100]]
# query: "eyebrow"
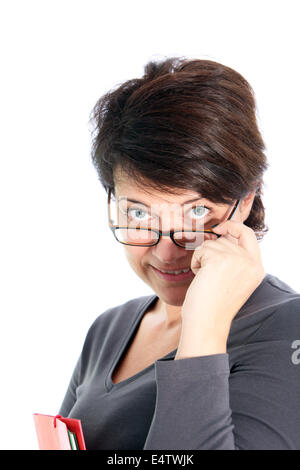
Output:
[[140, 202]]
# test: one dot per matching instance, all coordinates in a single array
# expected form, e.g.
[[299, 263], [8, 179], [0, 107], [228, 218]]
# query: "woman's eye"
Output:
[[137, 213], [199, 212]]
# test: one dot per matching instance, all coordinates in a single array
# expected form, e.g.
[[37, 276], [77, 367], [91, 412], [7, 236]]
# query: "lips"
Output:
[[168, 270], [182, 276], [175, 271]]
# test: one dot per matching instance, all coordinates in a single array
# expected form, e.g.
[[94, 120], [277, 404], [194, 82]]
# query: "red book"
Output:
[[58, 433]]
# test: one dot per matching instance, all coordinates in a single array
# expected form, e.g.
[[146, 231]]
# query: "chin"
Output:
[[172, 296]]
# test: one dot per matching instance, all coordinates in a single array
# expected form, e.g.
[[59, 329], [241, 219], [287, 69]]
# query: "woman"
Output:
[[210, 361]]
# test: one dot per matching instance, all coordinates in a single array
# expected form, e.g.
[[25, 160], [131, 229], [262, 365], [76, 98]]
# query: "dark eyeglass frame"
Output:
[[159, 232]]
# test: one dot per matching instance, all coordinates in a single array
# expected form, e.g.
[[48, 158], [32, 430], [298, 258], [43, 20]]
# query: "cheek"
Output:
[[135, 255]]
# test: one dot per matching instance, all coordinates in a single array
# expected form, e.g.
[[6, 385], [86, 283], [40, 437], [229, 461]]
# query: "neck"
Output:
[[171, 314]]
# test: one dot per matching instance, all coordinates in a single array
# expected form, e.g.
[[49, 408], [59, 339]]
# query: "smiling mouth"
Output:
[[177, 271], [176, 275]]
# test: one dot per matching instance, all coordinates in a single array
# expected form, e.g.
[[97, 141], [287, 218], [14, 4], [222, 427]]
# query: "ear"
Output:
[[246, 205]]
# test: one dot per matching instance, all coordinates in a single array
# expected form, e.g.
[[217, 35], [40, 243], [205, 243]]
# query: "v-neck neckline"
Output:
[[109, 384]]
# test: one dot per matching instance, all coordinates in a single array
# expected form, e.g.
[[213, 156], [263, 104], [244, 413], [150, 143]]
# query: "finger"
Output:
[[209, 244], [228, 242], [204, 252], [244, 235]]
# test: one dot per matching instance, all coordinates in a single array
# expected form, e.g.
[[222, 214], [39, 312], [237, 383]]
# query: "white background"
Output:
[[60, 266]]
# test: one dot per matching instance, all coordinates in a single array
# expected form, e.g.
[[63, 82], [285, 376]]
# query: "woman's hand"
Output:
[[227, 271]]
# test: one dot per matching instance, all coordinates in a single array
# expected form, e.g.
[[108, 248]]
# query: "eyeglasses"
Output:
[[141, 236]]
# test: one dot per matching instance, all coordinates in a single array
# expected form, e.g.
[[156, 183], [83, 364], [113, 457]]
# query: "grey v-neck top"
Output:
[[248, 398]]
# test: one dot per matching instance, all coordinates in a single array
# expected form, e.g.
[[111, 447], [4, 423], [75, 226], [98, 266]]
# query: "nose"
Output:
[[166, 251]]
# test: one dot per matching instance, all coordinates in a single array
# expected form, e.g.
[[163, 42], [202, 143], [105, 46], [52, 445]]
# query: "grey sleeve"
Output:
[[192, 405], [201, 404], [79, 370], [70, 396]]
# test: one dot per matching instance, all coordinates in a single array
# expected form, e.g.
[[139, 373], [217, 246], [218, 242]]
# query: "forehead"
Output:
[[128, 187]]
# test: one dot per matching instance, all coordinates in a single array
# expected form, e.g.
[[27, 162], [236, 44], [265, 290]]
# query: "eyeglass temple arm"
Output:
[[232, 213], [234, 210]]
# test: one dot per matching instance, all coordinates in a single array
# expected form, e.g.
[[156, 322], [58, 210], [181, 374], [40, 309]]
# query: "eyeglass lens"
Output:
[[142, 237]]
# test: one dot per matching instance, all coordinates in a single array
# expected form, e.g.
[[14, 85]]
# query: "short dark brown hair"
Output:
[[186, 124]]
